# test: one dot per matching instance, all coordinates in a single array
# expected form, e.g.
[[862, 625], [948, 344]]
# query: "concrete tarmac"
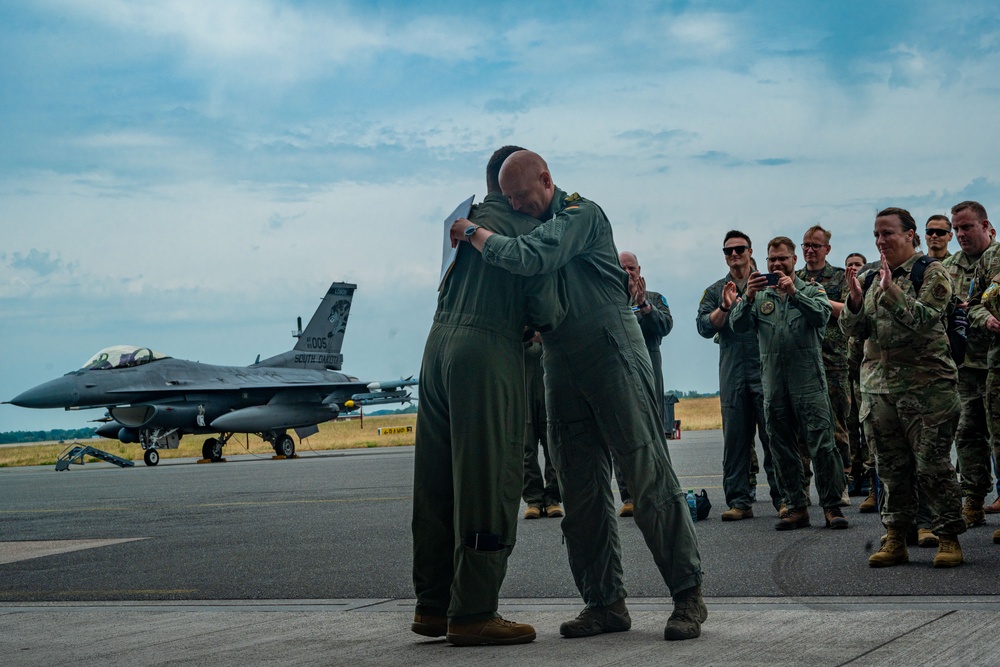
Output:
[[307, 562]]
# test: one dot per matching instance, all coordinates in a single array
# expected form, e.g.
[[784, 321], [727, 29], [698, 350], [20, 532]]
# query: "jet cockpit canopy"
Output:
[[122, 356]]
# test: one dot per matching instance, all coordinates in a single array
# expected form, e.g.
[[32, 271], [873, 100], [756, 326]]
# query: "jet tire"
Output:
[[151, 457], [285, 446]]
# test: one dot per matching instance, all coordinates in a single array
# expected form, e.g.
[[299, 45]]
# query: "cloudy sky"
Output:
[[191, 175]]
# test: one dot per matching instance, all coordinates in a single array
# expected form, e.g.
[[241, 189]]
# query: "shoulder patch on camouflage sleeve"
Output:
[[940, 291]]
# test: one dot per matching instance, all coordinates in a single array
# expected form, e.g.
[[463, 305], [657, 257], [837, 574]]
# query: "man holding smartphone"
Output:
[[790, 318]]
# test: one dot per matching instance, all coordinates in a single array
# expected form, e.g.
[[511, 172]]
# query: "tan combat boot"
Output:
[[869, 504], [973, 511], [926, 538], [893, 550], [949, 553]]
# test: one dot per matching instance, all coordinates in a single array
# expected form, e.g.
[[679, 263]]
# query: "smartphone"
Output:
[[772, 278]]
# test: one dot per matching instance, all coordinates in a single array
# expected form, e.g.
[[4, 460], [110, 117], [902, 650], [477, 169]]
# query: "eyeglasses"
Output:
[[738, 249], [812, 246], [779, 258], [934, 231]]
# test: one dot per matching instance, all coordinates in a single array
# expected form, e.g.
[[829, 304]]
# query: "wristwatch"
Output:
[[470, 231]]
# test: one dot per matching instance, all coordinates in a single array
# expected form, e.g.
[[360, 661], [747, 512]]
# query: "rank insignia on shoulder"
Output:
[[572, 199], [767, 307]]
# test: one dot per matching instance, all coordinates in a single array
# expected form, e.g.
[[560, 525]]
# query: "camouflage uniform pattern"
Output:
[[790, 334], [741, 395], [972, 438], [599, 396], [985, 301], [909, 397], [835, 363]]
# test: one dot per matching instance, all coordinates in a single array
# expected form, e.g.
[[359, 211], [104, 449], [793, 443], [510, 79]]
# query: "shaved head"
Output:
[[526, 182]]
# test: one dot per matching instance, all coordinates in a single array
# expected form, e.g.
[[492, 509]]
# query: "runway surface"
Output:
[[325, 540]]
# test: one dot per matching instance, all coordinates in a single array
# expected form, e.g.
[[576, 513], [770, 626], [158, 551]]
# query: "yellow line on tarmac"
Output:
[[259, 503]]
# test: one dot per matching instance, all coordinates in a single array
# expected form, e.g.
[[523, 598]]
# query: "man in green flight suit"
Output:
[[468, 461], [655, 321], [599, 399], [789, 316], [740, 390]]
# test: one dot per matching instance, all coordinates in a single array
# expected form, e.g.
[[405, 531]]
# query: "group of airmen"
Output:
[[864, 377], [847, 376]]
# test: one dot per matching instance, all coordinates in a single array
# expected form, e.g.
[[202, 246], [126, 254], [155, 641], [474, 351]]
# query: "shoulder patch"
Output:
[[572, 198], [940, 291], [664, 300]]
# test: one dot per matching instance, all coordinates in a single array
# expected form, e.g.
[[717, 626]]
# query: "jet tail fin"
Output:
[[319, 343]]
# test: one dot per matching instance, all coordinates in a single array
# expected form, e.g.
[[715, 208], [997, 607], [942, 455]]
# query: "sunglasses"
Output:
[[936, 232], [738, 249]]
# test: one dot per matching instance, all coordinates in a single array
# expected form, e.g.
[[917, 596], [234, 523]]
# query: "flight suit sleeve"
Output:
[[549, 247], [814, 305], [743, 318], [710, 300], [658, 322], [546, 305], [922, 313]]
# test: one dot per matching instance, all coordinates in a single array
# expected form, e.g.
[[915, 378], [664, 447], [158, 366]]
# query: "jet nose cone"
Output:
[[60, 393]]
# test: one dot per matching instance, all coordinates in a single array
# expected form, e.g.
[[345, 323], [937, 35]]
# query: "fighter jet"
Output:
[[153, 399]]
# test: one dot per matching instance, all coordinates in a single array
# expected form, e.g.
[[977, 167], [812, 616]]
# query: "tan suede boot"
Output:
[[893, 550]]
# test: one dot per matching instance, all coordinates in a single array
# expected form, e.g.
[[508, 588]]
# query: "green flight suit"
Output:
[[972, 441], [909, 402], [741, 396], [541, 488], [468, 459], [835, 366], [655, 325], [599, 395], [796, 400]]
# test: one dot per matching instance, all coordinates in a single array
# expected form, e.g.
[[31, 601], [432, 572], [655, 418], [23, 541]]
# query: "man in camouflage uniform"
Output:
[[862, 460], [984, 315], [599, 399], [740, 390], [789, 318], [815, 248], [468, 459], [908, 388], [970, 225], [541, 488], [653, 313]]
